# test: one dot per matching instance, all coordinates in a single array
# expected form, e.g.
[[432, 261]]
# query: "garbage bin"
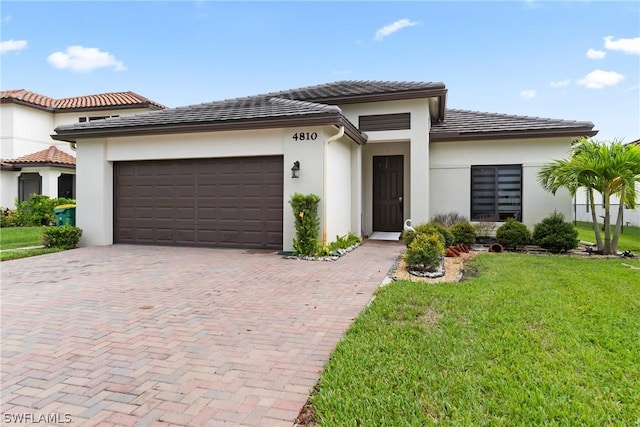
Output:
[[65, 214]]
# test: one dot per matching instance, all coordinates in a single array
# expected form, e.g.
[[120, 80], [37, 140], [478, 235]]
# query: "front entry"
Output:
[[388, 193]]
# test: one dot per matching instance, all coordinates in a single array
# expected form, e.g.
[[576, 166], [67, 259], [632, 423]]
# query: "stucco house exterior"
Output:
[[30, 160], [376, 152]]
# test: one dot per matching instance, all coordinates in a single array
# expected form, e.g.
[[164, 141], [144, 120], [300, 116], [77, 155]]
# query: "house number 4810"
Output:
[[305, 136]]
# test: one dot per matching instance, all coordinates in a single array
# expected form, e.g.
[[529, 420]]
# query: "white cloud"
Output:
[[86, 59], [528, 94], [560, 83], [630, 46], [596, 54], [10, 45], [387, 30], [599, 79]]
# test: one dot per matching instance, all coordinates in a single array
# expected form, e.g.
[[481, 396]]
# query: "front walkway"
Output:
[[135, 335]]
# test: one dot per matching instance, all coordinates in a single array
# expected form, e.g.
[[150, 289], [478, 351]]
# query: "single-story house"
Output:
[[30, 160], [376, 152]]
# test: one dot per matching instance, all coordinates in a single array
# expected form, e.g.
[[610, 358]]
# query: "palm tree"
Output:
[[610, 169]]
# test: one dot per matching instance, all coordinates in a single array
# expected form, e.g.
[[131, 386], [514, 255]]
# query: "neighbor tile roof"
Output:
[[88, 102], [50, 156], [477, 124]]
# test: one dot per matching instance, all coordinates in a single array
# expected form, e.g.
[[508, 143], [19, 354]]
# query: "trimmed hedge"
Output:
[[65, 237], [555, 234]]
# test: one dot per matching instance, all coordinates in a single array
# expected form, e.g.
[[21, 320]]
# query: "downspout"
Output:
[[327, 141]]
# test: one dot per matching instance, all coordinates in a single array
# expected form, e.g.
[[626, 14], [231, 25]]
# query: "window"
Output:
[[92, 118], [496, 192]]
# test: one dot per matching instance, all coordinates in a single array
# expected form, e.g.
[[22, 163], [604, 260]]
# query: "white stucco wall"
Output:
[[95, 171], [412, 143], [451, 162], [8, 189], [338, 191], [28, 132]]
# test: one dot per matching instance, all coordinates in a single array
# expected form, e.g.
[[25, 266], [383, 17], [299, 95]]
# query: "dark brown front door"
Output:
[[226, 202], [388, 193]]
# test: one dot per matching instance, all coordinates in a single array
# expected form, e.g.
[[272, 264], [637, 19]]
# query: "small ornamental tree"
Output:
[[555, 234], [305, 212], [512, 234]]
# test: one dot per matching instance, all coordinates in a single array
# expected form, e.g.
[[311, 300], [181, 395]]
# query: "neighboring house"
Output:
[[220, 173], [581, 209], [32, 162]]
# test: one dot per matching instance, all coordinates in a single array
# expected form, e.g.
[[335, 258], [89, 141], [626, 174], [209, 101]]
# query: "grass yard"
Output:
[[533, 340], [629, 239], [21, 237]]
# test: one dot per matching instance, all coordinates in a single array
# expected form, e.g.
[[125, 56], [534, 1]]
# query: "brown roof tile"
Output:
[[346, 91], [99, 101], [51, 156], [477, 125]]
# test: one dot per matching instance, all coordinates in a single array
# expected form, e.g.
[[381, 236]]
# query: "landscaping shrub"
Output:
[[463, 232], [448, 219], [305, 212], [65, 237], [555, 234], [425, 251], [512, 234], [428, 228], [38, 210], [344, 242]]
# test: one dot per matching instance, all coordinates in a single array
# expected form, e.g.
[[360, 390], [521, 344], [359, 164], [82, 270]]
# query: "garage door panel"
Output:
[[230, 202]]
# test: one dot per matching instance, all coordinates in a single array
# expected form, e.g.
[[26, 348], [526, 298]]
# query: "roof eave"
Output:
[[384, 96], [545, 133], [334, 118], [144, 105], [19, 165]]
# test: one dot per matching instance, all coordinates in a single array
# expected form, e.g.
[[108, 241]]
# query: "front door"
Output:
[[388, 193]]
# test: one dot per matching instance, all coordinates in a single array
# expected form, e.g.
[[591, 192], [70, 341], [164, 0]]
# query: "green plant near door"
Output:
[[305, 212]]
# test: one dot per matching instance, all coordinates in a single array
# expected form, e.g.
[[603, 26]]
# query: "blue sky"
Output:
[[577, 60]]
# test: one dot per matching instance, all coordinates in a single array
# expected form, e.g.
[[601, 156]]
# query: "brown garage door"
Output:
[[227, 202]]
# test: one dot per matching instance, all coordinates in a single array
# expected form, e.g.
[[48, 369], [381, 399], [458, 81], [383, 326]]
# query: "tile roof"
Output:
[[477, 124], [240, 113], [270, 109], [357, 90], [99, 101], [50, 156]]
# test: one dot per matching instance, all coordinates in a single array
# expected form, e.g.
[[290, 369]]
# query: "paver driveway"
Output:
[[136, 335]]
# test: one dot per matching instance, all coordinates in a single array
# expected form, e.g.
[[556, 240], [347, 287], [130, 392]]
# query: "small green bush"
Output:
[[463, 232], [555, 234], [425, 251], [65, 237], [428, 228], [305, 212], [512, 234], [39, 210], [449, 218], [344, 242]]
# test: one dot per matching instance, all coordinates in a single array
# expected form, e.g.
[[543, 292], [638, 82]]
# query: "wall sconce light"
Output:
[[295, 170]]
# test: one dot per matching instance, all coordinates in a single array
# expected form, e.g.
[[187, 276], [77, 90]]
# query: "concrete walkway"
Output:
[[153, 336]]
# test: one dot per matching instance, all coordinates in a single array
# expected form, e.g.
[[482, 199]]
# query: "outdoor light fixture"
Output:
[[295, 170]]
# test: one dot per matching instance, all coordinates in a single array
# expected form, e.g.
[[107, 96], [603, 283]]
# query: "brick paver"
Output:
[[134, 335]]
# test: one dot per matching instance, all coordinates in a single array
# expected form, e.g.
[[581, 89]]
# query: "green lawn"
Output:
[[629, 239], [21, 237], [533, 340]]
